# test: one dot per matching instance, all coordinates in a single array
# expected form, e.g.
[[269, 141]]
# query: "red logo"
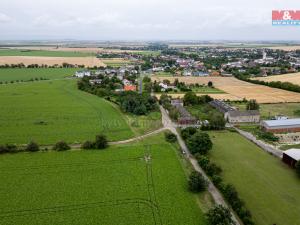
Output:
[[285, 15]]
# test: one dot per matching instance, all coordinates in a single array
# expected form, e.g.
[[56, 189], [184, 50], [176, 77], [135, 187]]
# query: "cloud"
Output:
[[4, 18]]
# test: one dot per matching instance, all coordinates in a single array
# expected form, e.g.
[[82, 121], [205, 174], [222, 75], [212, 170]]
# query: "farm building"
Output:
[[291, 156], [232, 115], [249, 116], [185, 118], [281, 126]]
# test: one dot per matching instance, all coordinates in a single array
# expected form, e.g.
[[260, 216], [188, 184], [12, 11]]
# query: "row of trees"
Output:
[[274, 84], [20, 81], [21, 65]]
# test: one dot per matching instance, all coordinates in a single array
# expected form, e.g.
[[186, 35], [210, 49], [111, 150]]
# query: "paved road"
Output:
[[218, 198], [264, 146]]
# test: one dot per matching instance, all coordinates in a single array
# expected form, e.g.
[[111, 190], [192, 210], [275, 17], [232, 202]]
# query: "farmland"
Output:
[[269, 188], [116, 62], [20, 52], [49, 111], [26, 74], [237, 89], [138, 183], [50, 61], [293, 78]]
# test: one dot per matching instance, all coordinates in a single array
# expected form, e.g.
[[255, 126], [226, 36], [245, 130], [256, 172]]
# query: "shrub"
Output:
[[197, 182], [199, 143], [61, 146], [188, 132], [88, 145], [219, 215], [101, 142], [212, 169], [170, 137], [8, 148], [32, 147]]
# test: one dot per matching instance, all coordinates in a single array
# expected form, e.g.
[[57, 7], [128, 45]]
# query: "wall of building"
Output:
[[282, 130], [243, 119]]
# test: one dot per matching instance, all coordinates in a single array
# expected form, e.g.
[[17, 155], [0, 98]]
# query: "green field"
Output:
[[139, 183], [116, 62], [26, 74], [270, 110], [17, 52], [270, 189], [49, 111]]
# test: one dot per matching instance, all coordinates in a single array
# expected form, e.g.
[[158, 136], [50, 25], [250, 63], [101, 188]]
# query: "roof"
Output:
[[244, 113], [288, 122], [293, 153]]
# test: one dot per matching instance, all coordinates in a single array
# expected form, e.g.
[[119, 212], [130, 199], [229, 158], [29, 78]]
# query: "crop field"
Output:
[[25, 74], [50, 61], [237, 89], [138, 183], [293, 78], [269, 188], [116, 62], [286, 48], [49, 111], [20, 52], [267, 111]]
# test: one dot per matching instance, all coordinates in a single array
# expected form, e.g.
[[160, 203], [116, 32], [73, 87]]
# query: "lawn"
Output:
[[137, 183], [25, 74], [49, 111], [270, 110], [269, 188], [17, 52], [202, 111]]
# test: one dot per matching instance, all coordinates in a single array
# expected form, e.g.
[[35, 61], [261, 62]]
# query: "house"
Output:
[[82, 73], [281, 126], [129, 87], [175, 102], [126, 82], [221, 106], [95, 81], [200, 74], [187, 73], [291, 156], [249, 116]]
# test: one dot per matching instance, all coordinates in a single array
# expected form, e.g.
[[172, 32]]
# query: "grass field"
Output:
[[269, 188], [139, 183], [22, 52], [268, 111], [49, 111], [26, 74], [116, 62]]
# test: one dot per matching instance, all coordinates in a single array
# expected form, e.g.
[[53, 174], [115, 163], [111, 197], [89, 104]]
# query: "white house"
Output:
[[82, 73]]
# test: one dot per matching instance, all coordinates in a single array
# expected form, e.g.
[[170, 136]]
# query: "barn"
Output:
[[291, 156], [281, 126]]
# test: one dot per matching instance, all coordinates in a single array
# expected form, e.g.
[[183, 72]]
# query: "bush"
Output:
[[188, 132], [88, 145], [101, 142], [199, 143], [298, 168], [219, 215], [212, 169], [32, 147], [61, 146], [170, 137], [8, 148], [197, 182]]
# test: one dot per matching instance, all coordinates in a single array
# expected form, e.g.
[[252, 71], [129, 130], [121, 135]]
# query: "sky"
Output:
[[144, 20]]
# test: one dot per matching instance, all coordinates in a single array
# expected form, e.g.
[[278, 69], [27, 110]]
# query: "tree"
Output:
[[217, 121], [219, 215], [170, 137], [88, 145], [210, 84], [190, 98], [32, 147], [199, 143], [188, 132], [197, 182], [61, 146], [252, 105], [298, 168], [101, 142]]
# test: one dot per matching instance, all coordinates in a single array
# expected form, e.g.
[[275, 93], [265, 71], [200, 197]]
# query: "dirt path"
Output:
[[218, 198]]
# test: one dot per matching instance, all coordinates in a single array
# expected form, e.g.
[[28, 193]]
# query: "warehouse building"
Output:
[[281, 126], [291, 156]]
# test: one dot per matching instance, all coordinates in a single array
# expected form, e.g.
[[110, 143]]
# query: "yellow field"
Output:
[[50, 61], [293, 78], [237, 89], [286, 48]]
